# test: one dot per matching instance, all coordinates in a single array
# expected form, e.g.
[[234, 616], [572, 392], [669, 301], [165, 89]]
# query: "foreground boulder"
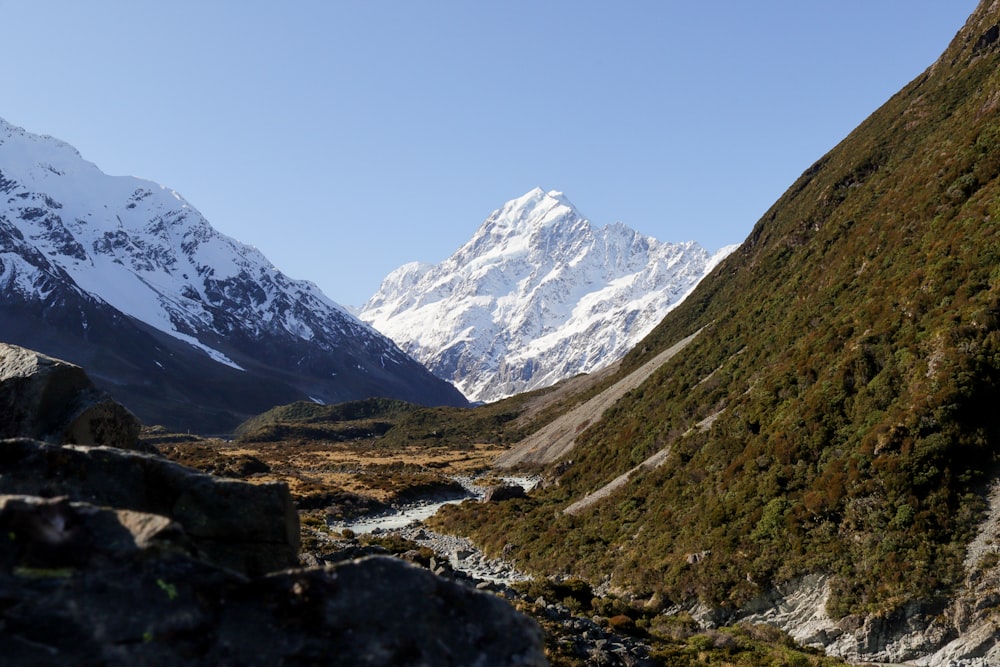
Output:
[[250, 528], [85, 585], [53, 537], [52, 400]]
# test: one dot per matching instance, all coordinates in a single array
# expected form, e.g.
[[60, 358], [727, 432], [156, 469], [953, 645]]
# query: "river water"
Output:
[[405, 521], [404, 515]]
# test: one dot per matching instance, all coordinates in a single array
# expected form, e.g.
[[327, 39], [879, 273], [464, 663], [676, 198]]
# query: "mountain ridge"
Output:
[[76, 244], [536, 295]]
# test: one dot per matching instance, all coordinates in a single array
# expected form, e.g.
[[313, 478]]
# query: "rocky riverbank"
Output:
[[404, 520], [580, 638], [463, 556], [575, 637], [401, 514]]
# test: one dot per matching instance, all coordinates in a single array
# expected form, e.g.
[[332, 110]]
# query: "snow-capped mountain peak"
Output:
[[537, 294], [140, 248]]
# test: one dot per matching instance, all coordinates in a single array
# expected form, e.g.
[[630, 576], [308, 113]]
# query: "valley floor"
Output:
[[341, 486]]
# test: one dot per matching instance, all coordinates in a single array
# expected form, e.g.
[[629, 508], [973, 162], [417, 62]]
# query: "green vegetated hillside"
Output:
[[394, 423], [851, 359]]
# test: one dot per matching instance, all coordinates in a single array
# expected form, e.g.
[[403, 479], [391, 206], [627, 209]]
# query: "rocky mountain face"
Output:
[[538, 294], [187, 327], [820, 449]]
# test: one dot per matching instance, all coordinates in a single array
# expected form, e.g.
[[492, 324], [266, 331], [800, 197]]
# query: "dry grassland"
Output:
[[314, 469]]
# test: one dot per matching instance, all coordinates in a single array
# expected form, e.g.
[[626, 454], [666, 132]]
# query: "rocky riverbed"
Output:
[[581, 639], [587, 639], [462, 555]]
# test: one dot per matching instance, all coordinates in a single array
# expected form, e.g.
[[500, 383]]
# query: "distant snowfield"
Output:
[[536, 295]]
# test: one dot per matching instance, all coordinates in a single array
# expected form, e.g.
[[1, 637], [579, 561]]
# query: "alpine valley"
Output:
[[810, 439], [187, 327], [798, 464], [537, 295]]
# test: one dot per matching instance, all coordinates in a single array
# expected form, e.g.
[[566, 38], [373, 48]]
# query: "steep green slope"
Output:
[[851, 357]]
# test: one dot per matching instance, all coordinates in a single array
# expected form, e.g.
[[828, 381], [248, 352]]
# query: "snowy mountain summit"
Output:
[[537, 295], [184, 325]]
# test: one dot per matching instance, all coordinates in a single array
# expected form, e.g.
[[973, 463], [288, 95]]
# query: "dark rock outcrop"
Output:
[[86, 586], [501, 492], [251, 528], [49, 537], [52, 400]]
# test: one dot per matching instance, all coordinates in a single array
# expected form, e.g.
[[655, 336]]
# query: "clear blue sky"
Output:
[[345, 138]]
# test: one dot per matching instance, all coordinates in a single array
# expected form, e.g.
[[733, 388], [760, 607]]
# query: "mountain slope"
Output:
[[834, 417], [537, 295], [184, 325]]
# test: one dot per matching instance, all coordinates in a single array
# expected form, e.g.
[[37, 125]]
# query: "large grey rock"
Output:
[[251, 528], [384, 611], [83, 585], [55, 537], [53, 400], [501, 492]]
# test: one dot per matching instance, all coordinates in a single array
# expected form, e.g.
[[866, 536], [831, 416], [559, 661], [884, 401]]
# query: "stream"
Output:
[[585, 637], [406, 521]]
